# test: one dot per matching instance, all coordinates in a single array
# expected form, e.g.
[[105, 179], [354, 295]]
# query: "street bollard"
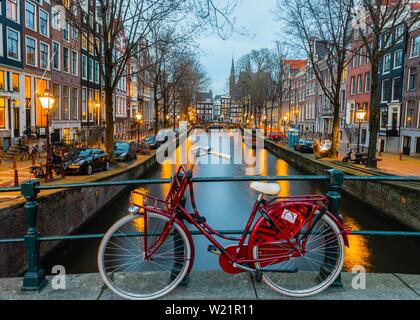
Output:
[[33, 159], [34, 278], [16, 177], [401, 156], [63, 174], [336, 180]]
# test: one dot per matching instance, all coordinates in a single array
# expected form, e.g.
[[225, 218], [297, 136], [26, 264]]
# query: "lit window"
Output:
[[15, 82]]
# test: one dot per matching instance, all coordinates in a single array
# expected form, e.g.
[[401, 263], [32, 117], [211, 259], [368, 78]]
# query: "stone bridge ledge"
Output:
[[220, 286]]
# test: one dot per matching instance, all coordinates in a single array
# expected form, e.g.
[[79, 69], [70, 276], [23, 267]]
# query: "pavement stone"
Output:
[[220, 286]]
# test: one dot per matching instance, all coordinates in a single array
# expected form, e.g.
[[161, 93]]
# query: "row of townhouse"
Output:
[[38, 52], [305, 106]]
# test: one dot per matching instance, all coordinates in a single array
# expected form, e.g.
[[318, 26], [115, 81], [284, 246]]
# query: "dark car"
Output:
[[305, 146], [276, 136], [151, 142], [86, 161], [125, 151]]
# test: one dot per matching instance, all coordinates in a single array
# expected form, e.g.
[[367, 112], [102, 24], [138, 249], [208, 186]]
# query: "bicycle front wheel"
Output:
[[309, 273], [122, 263]]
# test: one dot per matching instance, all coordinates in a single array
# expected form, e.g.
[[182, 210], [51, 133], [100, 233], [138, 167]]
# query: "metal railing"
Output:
[[34, 278]]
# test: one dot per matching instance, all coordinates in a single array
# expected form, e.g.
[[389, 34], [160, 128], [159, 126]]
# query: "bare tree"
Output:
[[133, 21], [322, 28], [375, 22]]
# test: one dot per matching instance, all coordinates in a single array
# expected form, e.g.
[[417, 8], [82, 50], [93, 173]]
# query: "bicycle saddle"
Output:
[[266, 188]]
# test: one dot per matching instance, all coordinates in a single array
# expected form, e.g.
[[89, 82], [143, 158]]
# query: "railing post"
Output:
[[336, 180], [34, 279]]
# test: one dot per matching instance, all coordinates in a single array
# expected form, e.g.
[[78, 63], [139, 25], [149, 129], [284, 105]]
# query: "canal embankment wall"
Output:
[[397, 200], [60, 212]]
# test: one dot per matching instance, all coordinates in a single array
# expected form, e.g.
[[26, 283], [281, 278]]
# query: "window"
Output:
[[56, 107], [90, 70], [15, 82], [30, 51], [12, 9], [384, 97], [66, 35], [412, 79], [387, 39], [399, 34], [387, 63], [30, 15], [74, 33], [1, 80], [1, 39], [84, 104], [415, 47], [74, 63], [43, 55], [410, 113], [66, 60], [43, 23], [367, 81], [13, 44], [2, 113], [396, 89], [354, 60], [84, 67], [74, 103], [56, 56], [362, 56], [65, 109], [359, 84], [55, 16], [84, 41], [384, 117], [96, 72], [398, 59], [352, 85]]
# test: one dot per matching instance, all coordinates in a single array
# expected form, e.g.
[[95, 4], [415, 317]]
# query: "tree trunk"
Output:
[[109, 119], [335, 130], [156, 106], [373, 116]]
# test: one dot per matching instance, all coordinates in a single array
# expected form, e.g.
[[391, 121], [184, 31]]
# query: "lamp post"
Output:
[[139, 116], [47, 102], [360, 116]]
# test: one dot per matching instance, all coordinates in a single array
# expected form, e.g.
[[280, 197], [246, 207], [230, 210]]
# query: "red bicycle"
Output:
[[296, 246]]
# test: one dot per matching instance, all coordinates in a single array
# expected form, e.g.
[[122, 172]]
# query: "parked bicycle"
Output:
[[296, 246], [40, 172], [30, 151]]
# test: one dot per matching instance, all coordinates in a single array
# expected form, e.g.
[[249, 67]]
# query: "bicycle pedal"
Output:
[[212, 249]]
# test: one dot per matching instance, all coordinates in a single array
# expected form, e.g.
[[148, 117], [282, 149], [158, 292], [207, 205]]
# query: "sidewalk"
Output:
[[7, 173], [391, 163], [221, 286]]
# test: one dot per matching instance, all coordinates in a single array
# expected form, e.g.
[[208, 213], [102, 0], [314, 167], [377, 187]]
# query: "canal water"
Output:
[[227, 205]]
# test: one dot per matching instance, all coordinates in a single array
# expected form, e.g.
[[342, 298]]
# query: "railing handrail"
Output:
[[384, 178]]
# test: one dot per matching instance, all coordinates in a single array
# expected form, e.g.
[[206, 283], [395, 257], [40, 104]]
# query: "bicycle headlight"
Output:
[[133, 209]]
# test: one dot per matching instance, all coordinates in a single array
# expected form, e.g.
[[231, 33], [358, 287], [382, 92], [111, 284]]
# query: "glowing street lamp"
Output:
[[360, 116], [47, 100], [139, 117]]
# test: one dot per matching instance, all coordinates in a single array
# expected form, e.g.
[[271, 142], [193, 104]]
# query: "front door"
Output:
[[406, 145], [16, 122], [28, 117], [418, 145]]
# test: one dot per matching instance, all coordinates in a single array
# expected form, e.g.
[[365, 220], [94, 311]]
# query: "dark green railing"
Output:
[[34, 278]]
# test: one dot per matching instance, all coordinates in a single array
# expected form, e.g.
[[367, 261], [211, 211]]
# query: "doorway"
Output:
[[406, 145], [418, 145], [16, 122]]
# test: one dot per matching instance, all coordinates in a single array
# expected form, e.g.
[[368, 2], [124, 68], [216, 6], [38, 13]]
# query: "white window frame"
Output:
[[19, 53], [48, 22], [383, 64], [383, 91], [35, 16], [96, 65], [1, 40], [408, 79], [392, 88], [17, 12], [396, 33], [412, 47], [68, 60], [83, 68], [58, 54], [395, 59], [367, 87], [48, 55], [36, 51], [77, 63]]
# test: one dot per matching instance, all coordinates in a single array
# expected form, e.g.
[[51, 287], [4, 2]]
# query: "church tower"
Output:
[[232, 80]]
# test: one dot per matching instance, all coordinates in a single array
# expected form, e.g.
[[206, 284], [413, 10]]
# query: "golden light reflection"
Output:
[[282, 170], [138, 198], [358, 254], [138, 224]]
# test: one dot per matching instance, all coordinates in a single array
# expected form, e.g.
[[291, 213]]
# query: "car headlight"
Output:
[[82, 162], [123, 155]]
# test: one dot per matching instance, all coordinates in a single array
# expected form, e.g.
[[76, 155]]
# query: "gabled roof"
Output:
[[295, 64]]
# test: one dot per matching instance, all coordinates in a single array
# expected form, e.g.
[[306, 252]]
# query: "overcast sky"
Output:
[[254, 15]]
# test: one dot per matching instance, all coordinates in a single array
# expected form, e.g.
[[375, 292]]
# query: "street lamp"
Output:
[[47, 100], [139, 116], [360, 116]]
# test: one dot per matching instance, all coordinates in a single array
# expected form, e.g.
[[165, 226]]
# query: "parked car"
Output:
[[86, 160], [305, 146], [164, 135], [276, 136], [151, 142], [125, 151]]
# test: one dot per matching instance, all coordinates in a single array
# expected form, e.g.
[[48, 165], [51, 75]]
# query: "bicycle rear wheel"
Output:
[[122, 263], [307, 274]]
